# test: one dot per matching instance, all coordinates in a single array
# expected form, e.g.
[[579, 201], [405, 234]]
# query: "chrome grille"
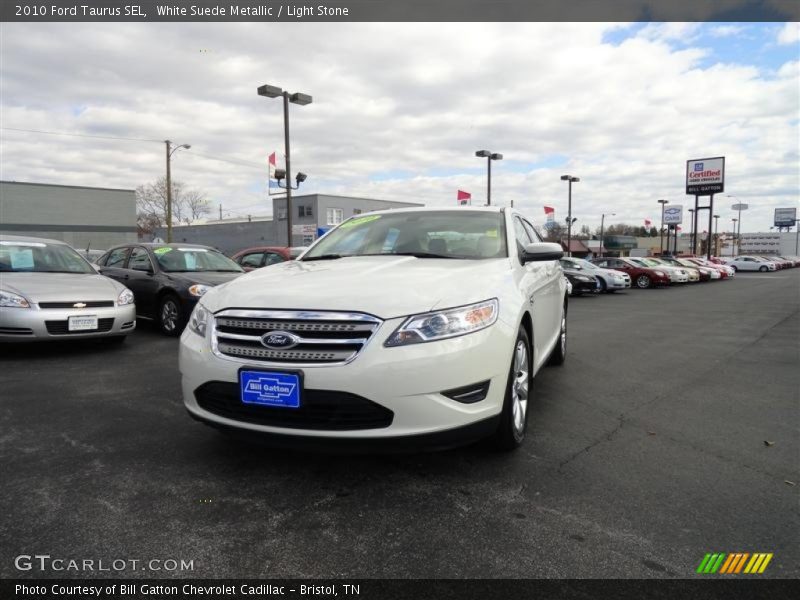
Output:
[[321, 337]]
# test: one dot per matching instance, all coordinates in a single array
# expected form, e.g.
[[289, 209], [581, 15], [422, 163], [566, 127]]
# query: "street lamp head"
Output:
[[716, 216], [270, 91], [301, 177], [483, 154], [662, 201], [496, 156], [186, 146], [280, 174], [565, 178], [301, 99]]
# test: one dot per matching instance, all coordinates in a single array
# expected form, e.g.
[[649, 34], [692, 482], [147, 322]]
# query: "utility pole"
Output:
[[169, 193], [220, 212]]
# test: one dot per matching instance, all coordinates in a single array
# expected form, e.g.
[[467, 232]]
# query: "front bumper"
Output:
[[618, 284], [406, 380], [38, 324]]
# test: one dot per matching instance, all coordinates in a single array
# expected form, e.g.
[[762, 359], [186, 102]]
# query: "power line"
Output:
[[83, 135]]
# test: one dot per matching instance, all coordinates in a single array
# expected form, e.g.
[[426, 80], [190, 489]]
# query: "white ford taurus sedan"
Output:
[[418, 328], [48, 292]]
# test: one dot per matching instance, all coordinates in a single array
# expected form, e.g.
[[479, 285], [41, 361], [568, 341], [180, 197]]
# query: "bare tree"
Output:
[[151, 205]]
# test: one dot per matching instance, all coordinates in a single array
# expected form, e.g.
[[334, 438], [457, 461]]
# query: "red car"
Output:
[[641, 277], [263, 256]]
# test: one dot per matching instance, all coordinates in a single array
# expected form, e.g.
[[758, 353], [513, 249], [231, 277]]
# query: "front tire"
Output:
[[514, 419], [763, 269], [643, 282], [603, 285], [559, 354], [170, 315]]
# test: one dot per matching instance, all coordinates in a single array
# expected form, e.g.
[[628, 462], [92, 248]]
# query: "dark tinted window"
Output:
[[273, 258], [140, 260], [116, 258], [251, 260]]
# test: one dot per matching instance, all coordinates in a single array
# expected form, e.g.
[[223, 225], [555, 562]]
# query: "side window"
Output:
[[102, 260], [139, 260], [273, 258], [603, 264], [116, 258], [532, 233], [251, 260], [523, 237]]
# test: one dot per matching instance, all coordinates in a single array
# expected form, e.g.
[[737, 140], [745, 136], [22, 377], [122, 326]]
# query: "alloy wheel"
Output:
[[519, 387], [169, 316]]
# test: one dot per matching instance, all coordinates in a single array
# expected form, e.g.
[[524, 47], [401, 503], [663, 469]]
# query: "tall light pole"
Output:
[[662, 203], [603, 222], [170, 152], [733, 243], [716, 235], [570, 179], [692, 232], [489, 156], [271, 91], [738, 207]]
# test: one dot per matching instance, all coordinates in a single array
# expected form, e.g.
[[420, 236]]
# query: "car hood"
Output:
[[55, 287], [384, 286], [203, 277], [609, 272], [575, 272]]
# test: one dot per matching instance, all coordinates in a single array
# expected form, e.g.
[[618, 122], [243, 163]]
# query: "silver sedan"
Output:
[[48, 291]]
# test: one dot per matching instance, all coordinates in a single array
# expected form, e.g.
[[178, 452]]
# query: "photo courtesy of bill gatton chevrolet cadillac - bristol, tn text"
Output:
[[421, 326]]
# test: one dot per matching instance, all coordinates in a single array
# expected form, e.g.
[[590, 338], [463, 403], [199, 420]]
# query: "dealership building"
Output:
[[312, 215], [81, 216]]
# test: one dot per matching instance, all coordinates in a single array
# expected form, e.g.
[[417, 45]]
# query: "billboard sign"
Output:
[[785, 217], [673, 214], [705, 176]]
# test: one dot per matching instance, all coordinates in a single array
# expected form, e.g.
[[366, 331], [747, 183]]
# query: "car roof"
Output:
[[414, 209], [171, 245], [28, 238]]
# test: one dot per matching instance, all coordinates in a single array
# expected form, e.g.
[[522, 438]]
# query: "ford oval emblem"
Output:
[[279, 340]]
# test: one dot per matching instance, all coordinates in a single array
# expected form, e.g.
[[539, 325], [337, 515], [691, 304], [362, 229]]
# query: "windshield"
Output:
[[650, 262], [440, 234], [40, 257], [686, 263], [193, 259], [579, 263]]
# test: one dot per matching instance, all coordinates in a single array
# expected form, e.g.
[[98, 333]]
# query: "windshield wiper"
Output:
[[325, 257], [420, 254]]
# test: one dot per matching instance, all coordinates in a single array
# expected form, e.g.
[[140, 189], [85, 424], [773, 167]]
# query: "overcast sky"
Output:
[[400, 109]]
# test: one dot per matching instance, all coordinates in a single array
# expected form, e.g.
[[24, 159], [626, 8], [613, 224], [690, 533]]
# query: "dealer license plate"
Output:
[[82, 323], [270, 389]]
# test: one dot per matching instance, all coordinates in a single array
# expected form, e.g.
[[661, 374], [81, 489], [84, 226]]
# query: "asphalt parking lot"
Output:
[[647, 451]]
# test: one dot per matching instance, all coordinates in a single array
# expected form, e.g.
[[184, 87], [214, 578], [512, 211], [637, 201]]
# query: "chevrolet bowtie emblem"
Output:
[[79, 305]]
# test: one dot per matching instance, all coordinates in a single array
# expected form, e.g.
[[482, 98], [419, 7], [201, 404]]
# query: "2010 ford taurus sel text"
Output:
[[418, 328]]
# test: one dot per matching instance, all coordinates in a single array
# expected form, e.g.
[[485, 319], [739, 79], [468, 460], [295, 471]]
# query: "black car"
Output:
[[167, 280], [582, 282]]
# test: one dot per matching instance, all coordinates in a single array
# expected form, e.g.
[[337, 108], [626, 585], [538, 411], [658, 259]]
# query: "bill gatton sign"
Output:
[[705, 176]]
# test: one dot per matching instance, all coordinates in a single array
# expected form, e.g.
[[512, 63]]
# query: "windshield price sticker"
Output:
[[163, 250], [359, 221]]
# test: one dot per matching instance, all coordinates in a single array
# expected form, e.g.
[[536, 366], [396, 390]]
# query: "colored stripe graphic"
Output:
[[734, 563], [765, 563], [727, 564], [703, 563]]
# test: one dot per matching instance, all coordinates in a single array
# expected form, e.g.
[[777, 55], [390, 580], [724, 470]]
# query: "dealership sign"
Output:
[[673, 214], [785, 217], [705, 176]]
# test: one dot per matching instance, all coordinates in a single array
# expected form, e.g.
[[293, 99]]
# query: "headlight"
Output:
[[198, 322], [445, 324], [198, 289], [582, 278], [9, 300], [660, 273], [125, 297]]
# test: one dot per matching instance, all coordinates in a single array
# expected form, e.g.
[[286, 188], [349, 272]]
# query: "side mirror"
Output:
[[541, 251]]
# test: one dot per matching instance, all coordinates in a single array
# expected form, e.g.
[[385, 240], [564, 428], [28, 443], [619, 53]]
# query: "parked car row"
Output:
[[761, 263]]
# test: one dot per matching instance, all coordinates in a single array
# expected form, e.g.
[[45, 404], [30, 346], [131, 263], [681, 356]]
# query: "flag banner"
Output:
[[647, 222], [549, 210], [463, 197]]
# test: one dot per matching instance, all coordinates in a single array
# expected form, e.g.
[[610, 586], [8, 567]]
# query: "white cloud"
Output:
[[399, 110], [721, 31], [789, 33]]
